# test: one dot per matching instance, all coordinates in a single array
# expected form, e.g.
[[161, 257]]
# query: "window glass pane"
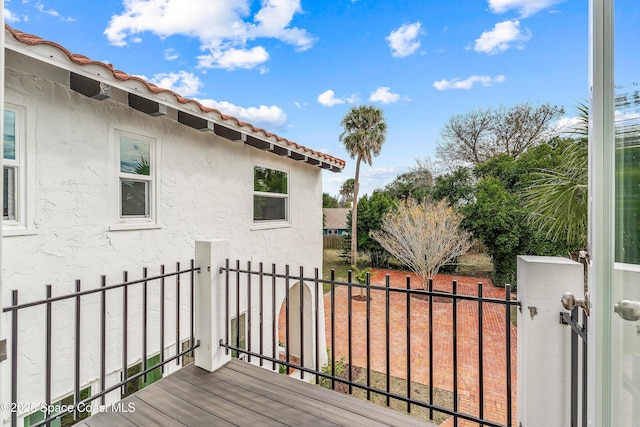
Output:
[[9, 135], [269, 208], [234, 334], [269, 181], [134, 155], [154, 375], [627, 176], [9, 190], [135, 198]]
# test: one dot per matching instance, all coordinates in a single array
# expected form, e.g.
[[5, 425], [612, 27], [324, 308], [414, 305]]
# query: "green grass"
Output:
[[474, 265], [331, 260]]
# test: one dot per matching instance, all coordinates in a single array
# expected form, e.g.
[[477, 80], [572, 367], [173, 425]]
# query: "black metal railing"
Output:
[[278, 285], [80, 322], [578, 364]]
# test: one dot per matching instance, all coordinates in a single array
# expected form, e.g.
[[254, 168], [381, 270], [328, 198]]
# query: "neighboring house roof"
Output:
[[335, 218], [86, 71]]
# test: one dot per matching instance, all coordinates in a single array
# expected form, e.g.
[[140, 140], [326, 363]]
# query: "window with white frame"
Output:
[[270, 195], [11, 169], [18, 174], [136, 176]]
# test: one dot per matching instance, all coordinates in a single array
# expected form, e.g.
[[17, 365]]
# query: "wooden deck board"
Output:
[[334, 400], [243, 394], [259, 402]]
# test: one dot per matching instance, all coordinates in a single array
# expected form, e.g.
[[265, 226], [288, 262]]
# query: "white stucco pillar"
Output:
[[544, 344], [209, 303]]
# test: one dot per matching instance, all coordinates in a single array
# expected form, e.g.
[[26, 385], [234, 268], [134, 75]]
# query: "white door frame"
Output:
[[601, 207]]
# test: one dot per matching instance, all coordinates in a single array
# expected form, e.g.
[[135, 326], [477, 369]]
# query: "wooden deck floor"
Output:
[[240, 394]]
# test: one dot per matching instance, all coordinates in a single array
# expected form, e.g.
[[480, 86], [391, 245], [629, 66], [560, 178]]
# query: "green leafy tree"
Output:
[[499, 218], [415, 184], [371, 212], [328, 201], [364, 132], [557, 195], [490, 197], [457, 187]]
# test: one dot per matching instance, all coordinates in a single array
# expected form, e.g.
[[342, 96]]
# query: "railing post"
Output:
[[544, 344], [209, 303]]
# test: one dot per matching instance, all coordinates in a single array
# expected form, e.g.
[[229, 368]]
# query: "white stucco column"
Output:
[[209, 303], [544, 344]]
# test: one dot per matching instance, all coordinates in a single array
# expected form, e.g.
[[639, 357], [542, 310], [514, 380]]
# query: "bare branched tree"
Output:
[[467, 138], [523, 126], [423, 236], [477, 136]]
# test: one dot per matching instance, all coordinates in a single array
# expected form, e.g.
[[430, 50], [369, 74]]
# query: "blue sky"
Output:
[[294, 67]]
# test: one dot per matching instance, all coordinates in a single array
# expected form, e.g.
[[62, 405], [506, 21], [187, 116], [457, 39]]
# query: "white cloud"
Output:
[[183, 83], [273, 20], [41, 8], [170, 54], [10, 16], [468, 83], [263, 115], [353, 99], [328, 99], [524, 7], [52, 12], [383, 94], [224, 27], [566, 126], [502, 37], [404, 41], [233, 58]]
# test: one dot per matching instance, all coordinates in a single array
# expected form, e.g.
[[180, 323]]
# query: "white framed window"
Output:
[[17, 209], [270, 195], [11, 165], [136, 180]]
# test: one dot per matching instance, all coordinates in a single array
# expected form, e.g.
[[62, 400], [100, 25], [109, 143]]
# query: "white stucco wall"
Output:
[[205, 184]]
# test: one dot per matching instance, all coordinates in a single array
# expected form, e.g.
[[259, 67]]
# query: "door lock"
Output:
[[628, 310]]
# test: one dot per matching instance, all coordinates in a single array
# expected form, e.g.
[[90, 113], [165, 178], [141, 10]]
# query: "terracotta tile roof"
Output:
[[33, 40]]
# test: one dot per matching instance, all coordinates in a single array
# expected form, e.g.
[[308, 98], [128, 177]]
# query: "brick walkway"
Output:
[[494, 353]]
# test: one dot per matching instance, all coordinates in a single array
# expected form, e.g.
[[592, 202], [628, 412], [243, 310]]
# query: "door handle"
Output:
[[628, 310], [569, 302]]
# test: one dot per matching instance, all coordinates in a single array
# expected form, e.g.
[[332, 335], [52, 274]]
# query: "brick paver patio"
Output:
[[494, 351]]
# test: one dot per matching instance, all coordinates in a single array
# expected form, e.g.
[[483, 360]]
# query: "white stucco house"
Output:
[[105, 173]]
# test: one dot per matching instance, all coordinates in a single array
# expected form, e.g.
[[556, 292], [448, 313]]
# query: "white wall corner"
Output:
[[544, 351], [209, 303]]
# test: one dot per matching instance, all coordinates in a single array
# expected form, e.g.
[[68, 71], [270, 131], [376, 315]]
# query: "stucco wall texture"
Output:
[[205, 192]]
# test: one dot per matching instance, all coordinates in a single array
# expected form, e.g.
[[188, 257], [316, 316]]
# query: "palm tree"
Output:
[[365, 130], [558, 196], [346, 193]]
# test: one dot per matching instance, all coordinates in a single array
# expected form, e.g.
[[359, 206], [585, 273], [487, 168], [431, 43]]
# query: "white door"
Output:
[[625, 277], [624, 304], [614, 336], [625, 290]]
